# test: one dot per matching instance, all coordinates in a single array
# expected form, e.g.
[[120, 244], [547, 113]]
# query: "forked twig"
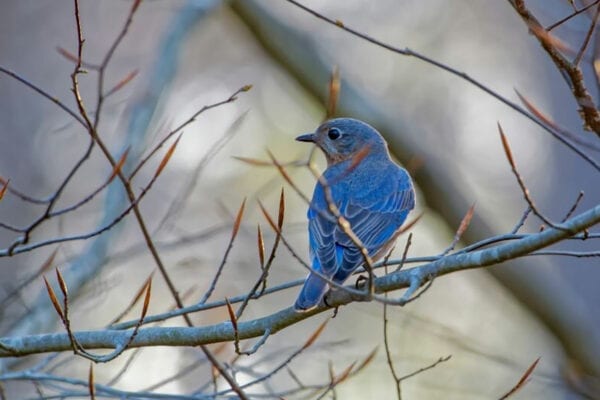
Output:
[[522, 185]]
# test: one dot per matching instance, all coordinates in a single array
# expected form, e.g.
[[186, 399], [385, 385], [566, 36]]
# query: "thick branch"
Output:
[[223, 332]]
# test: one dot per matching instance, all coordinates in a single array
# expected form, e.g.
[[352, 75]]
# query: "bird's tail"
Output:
[[311, 294]]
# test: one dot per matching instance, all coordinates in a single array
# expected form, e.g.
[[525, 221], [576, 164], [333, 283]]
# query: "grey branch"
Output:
[[223, 332]]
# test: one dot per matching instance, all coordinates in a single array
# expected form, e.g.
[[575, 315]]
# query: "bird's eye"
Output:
[[333, 133]]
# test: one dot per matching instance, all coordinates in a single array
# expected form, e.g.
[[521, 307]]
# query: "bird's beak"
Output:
[[307, 137]]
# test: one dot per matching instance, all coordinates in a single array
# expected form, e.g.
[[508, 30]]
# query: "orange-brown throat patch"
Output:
[[356, 157], [359, 156]]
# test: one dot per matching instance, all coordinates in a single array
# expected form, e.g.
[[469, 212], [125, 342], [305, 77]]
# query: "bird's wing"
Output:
[[375, 214], [375, 226], [324, 253]]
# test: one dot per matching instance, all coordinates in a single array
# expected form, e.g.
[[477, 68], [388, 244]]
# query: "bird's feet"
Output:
[[362, 281], [335, 310]]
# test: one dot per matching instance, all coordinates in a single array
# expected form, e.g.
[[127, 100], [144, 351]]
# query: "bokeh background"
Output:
[[493, 322]]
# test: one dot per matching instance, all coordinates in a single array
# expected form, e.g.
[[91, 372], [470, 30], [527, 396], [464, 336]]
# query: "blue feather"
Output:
[[374, 195]]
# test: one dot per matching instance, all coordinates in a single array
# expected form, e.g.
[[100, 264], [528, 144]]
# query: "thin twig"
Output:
[[388, 354], [546, 120], [234, 232], [309, 342], [404, 253], [46, 95], [520, 180], [588, 36], [188, 121], [573, 14], [462, 227], [573, 207], [522, 220], [265, 268], [420, 370]]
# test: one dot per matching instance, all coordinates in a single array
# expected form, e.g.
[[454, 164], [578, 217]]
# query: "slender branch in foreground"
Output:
[[191, 336]]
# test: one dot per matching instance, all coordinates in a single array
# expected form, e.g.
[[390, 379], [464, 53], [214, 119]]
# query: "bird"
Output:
[[370, 191]]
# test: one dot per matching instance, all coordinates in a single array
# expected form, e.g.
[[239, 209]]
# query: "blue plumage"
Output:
[[372, 192]]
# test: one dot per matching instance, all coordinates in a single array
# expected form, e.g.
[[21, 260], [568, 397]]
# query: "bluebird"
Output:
[[371, 192]]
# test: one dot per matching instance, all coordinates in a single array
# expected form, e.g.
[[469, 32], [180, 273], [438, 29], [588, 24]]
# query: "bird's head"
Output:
[[344, 138]]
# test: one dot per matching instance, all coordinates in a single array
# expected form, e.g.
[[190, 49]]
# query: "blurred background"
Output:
[[494, 322]]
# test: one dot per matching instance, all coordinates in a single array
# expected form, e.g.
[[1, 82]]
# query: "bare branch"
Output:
[[187, 336]]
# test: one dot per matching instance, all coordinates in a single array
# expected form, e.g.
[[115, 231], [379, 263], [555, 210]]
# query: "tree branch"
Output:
[[193, 336]]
